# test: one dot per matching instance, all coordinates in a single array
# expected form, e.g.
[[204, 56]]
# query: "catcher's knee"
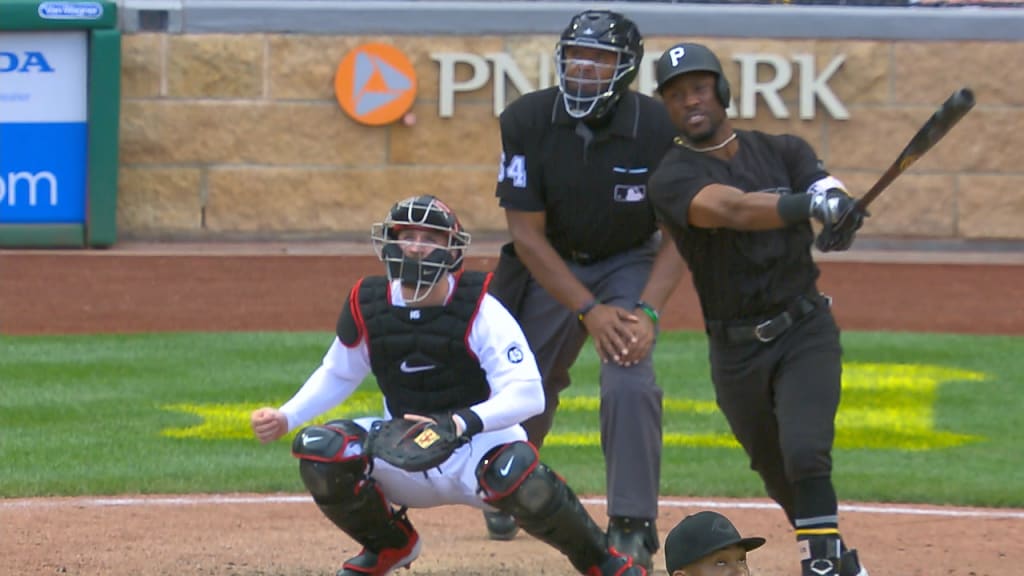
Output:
[[513, 479], [331, 459]]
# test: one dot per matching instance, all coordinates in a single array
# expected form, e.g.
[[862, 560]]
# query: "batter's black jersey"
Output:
[[591, 184], [741, 274]]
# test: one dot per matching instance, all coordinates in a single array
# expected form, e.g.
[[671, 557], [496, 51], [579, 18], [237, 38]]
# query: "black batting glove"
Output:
[[840, 218]]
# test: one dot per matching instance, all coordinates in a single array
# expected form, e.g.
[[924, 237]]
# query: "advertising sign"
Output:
[[43, 126], [375, 84]]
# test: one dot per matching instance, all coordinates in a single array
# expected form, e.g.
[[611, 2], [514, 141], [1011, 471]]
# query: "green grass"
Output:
[[924, 418]]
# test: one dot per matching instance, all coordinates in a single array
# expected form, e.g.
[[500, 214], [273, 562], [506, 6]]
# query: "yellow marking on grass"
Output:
[[884, 407], [231, 421], [892, 406]]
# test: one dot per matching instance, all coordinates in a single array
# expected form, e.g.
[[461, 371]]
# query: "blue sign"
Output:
[[42, 172], [70, 10]]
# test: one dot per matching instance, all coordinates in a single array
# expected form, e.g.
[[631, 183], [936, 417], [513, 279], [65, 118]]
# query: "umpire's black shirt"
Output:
[[591, 183], [741, 275]]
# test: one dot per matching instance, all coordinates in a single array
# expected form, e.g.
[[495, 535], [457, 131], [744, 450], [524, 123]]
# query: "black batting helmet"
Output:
[[422, 212], [605, 30], [689, 57]]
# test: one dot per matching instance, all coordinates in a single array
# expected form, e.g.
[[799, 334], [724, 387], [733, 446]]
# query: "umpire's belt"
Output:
[[582, 258], [771, 328]]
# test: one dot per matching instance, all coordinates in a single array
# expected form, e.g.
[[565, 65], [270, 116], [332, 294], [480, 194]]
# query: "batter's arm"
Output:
[[666, 272], [721, 206]]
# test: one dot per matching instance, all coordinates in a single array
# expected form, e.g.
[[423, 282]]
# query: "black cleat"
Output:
[[849, 564], [636, 538], [382, 563], [500, 526]]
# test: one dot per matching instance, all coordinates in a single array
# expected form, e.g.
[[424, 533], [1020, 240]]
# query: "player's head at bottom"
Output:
[[707, 543]]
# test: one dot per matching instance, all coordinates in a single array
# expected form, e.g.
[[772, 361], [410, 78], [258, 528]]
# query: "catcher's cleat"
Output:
[[634, 537], [617, 564], [500, 526], [385, 562], [849, 564]]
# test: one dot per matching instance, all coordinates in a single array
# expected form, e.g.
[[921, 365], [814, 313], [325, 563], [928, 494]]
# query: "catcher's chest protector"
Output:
[[420, 355]]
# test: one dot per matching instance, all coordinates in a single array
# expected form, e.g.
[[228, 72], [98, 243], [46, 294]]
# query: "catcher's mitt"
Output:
[[414, 446]]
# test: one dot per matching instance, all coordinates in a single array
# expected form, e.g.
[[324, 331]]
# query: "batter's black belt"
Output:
[[770, 329]]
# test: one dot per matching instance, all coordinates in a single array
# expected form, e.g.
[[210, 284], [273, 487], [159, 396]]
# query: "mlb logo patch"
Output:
[[630, 192]]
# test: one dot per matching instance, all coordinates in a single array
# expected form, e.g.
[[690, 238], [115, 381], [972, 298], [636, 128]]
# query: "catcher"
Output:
[[457, 378]]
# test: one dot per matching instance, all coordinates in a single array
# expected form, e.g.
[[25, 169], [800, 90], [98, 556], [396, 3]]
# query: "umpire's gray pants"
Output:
[[630, 397]]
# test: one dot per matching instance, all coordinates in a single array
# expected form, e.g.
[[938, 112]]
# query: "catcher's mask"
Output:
[[419, 272], [588, 90]]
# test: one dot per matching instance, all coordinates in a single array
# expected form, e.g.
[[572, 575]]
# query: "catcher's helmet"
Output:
[[688, 57], [586, 97], [421, 212]]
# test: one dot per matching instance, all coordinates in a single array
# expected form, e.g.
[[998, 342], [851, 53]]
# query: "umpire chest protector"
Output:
[[420, 356]]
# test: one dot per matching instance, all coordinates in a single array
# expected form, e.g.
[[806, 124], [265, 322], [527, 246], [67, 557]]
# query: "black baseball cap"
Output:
[[701, 534]]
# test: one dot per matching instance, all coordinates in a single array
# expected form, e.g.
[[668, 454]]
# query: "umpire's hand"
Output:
[[612, 329], [644, 332], [268, 424]]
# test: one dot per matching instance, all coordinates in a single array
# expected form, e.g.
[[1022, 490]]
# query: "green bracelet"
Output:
[[649, 310]]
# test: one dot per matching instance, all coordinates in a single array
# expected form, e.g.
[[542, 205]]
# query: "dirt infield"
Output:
[[45, 292]]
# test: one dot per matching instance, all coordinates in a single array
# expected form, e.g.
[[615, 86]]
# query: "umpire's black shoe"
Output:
[[501, 526], [635, 537]]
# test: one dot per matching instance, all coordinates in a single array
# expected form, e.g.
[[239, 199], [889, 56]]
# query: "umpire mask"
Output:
[[591, 86], [414, 269]]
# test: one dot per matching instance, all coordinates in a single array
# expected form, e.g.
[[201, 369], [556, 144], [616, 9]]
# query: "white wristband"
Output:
[[825, 184]]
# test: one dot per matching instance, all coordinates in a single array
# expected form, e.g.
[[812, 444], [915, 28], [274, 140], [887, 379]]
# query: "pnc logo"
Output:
[[375, 84]]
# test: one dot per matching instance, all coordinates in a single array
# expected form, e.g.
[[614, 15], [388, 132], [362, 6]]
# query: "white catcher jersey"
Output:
[[516, 394]]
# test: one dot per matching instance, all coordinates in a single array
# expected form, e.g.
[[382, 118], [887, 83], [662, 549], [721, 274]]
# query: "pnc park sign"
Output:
[[376, 84]]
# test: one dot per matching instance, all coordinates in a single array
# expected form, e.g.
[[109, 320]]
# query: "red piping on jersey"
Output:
[[357, 314], [476, 310]]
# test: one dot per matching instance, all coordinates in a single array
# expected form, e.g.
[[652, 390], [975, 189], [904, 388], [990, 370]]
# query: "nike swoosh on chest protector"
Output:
[[405, 367]]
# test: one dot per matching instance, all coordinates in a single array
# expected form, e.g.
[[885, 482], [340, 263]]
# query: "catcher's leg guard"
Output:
[[333, 468], [820, 554], [513, 479]]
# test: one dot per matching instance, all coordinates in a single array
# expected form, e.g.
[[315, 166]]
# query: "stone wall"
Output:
[[240, 135]]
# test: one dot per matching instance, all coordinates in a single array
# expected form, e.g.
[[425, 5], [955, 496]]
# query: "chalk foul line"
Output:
[[725, 504]]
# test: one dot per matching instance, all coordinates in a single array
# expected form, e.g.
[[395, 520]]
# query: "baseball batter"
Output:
[[438, 345], [739, 205]]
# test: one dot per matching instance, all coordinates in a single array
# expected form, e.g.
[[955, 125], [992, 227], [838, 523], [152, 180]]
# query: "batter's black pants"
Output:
[[780, 399]]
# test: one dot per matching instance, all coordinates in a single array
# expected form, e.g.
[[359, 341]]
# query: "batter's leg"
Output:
[[807, 395], [742, 376]]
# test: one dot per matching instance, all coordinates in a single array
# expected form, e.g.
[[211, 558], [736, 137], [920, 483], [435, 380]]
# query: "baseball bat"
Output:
[[951, 111]]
